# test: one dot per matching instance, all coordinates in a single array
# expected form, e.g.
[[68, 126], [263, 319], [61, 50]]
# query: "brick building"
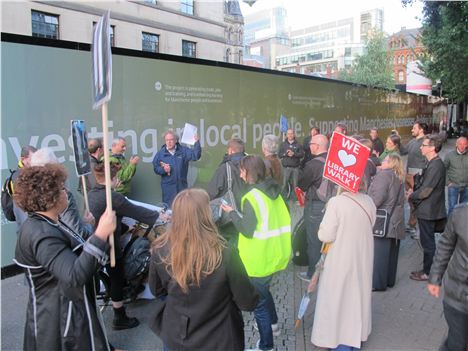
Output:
[[406, 47]]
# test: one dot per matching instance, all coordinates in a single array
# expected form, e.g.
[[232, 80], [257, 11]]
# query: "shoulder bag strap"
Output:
[[396, 200], [229, 191], [362, 207]]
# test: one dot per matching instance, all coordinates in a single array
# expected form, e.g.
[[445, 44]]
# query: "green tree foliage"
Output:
[[374, 67], [445, 36]]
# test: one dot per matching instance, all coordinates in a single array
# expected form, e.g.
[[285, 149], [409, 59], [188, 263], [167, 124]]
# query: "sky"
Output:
[[303, 13]]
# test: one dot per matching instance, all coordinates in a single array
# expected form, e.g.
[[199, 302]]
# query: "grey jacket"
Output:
[[457, 168], [415, 157], [386, 190], [451, 260], [429, 198]]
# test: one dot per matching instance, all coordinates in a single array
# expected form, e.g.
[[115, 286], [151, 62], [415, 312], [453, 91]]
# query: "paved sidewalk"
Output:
[[405, 317]]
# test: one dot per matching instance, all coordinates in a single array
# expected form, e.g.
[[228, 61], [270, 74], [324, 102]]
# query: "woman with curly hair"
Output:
[[59, 266], [205, 282]]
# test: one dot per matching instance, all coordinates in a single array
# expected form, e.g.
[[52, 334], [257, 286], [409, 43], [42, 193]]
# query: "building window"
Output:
[[186, 6], [149, 42], [228, 55], [44, 25], [189, 48], [401, 76], [240, 57], [347, 52], [111, 33]]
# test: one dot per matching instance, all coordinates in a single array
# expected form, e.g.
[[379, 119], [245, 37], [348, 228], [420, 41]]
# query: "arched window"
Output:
[[231, 38], [401, 76], [240, 37], [240, 57], [228, 55]]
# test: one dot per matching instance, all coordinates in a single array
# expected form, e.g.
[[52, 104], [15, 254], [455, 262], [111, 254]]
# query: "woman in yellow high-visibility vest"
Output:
[[264, 240]]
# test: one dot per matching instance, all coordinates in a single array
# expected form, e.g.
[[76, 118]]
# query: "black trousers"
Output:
[[385, 262], [117, 279], [313, 215], [457, 338], [426, 236]]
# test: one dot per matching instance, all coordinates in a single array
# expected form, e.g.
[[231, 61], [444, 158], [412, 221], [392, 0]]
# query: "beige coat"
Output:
[[343, 311]]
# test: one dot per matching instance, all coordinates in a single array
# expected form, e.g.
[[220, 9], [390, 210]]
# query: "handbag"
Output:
[[220, 217], [299, 244], [382, 220]]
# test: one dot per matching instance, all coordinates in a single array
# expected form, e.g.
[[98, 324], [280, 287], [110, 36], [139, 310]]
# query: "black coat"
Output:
[[122, 208], [429, 197], [208, 317], [291, 161], [218, 185], [59, 266], [451, 260]]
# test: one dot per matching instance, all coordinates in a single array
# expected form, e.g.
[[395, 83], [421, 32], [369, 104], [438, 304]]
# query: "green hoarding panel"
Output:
[[45, 87]]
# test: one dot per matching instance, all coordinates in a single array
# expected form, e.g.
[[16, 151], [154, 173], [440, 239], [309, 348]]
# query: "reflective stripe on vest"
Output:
[[269, 250]]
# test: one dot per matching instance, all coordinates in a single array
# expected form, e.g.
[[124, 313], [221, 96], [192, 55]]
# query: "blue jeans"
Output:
[[313, 215], [456, 194], [344, 348], [265, 312]]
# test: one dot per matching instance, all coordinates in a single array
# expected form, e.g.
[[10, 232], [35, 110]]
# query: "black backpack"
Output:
[[7, 198], [137, 257]]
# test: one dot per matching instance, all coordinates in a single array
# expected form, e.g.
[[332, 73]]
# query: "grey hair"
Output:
[[270, 144], [115, 141], [43, 156], [173, 133]]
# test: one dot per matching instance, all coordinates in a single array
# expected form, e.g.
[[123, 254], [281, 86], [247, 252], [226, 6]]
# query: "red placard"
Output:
[[346, 161]]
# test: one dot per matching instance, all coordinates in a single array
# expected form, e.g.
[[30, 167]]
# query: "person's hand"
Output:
[[408, 193], [226, 208], [134, 160], [164, 217], [196, 137], [89, 218], [106, 225], [290, 153], [167, 168], [433, 289]]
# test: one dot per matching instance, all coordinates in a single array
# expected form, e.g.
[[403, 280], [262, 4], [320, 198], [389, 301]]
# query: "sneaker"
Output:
[[257, 347], [417, 272], [419, 276], [303, 276], [274, 328]]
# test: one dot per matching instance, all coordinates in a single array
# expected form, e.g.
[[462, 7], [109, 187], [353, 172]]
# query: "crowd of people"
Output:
[[204, 274]]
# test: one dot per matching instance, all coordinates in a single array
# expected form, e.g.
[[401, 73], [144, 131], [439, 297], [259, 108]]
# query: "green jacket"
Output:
[[457, 168], [125, 175]]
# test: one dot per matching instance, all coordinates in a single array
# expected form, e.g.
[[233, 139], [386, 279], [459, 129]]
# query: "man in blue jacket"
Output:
[[171, 163]]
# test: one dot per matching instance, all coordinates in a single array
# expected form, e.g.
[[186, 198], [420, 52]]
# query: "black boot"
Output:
[[122, 321]]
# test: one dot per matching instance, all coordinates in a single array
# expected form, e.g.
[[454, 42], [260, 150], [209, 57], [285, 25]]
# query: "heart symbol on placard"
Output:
[[346, 159]]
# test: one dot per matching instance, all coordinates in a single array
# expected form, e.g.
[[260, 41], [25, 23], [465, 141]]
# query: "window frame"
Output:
[[43, 34], [156, 42], [194, 49], [186, 5]]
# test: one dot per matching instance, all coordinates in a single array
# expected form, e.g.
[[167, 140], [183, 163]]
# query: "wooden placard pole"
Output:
[[85, 192], [107, 176]]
